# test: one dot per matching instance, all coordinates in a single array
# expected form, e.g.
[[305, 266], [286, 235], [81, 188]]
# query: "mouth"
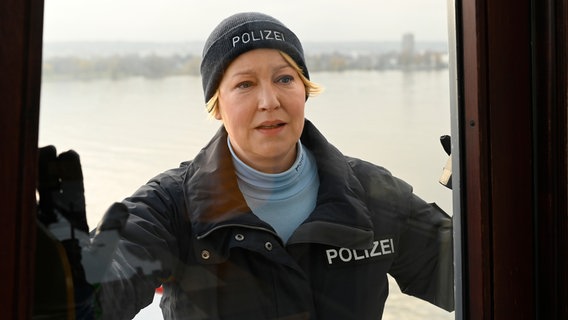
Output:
[[271, 125]]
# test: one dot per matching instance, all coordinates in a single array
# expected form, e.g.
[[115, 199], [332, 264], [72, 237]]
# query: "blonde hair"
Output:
[[312, 89]]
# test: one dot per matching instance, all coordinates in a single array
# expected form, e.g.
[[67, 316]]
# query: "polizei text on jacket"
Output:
[[344, 255]]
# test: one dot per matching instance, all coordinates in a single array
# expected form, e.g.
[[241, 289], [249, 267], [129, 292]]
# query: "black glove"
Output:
[[60, 188], [446, 178], [61, 210]]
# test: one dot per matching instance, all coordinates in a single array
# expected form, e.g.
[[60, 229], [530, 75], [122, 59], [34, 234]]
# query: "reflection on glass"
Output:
[[128, 128]]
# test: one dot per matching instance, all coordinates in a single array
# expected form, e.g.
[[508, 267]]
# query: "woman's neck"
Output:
[[267, 165]]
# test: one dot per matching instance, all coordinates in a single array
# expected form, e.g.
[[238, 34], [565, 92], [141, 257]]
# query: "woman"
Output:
[[269, 220]]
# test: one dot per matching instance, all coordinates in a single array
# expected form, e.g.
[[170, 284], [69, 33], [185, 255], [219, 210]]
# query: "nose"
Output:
[[268, 98]]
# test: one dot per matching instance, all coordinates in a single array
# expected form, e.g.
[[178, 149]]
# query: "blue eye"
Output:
[[244, 85], [286, 79]]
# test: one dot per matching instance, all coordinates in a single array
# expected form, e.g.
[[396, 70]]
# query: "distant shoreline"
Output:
[[106, 48], [118, 60]]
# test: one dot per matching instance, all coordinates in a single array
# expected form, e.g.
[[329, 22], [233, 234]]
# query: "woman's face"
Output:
[[261, 103]]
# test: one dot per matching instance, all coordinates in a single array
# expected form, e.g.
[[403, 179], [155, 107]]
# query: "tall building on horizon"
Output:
[[408, 44]]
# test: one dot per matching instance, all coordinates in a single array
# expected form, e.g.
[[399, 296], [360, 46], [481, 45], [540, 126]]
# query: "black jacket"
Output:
[[191, 231]]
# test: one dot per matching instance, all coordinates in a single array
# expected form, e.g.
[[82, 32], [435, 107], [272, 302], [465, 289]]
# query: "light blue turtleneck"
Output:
[[283, 200]]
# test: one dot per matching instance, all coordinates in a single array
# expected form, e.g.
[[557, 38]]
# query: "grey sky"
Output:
[[179, 21]]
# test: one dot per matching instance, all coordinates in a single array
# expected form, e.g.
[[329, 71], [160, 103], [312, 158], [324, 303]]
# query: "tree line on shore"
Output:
[[159, 66]]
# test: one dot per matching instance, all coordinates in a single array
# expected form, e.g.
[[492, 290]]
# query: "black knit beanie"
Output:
[[240, 33]]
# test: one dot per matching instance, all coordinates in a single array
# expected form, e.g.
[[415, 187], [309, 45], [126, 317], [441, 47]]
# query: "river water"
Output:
[[127, 131]]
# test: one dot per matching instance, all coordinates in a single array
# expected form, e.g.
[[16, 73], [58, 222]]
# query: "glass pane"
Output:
[[121, 86]]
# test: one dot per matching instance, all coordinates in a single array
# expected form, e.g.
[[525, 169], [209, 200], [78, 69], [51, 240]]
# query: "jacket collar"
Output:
[[341, 218]]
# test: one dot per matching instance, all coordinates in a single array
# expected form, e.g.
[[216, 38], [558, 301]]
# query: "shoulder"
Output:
[[172, 176], [382, 190], [370, 174], [165, 189]]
